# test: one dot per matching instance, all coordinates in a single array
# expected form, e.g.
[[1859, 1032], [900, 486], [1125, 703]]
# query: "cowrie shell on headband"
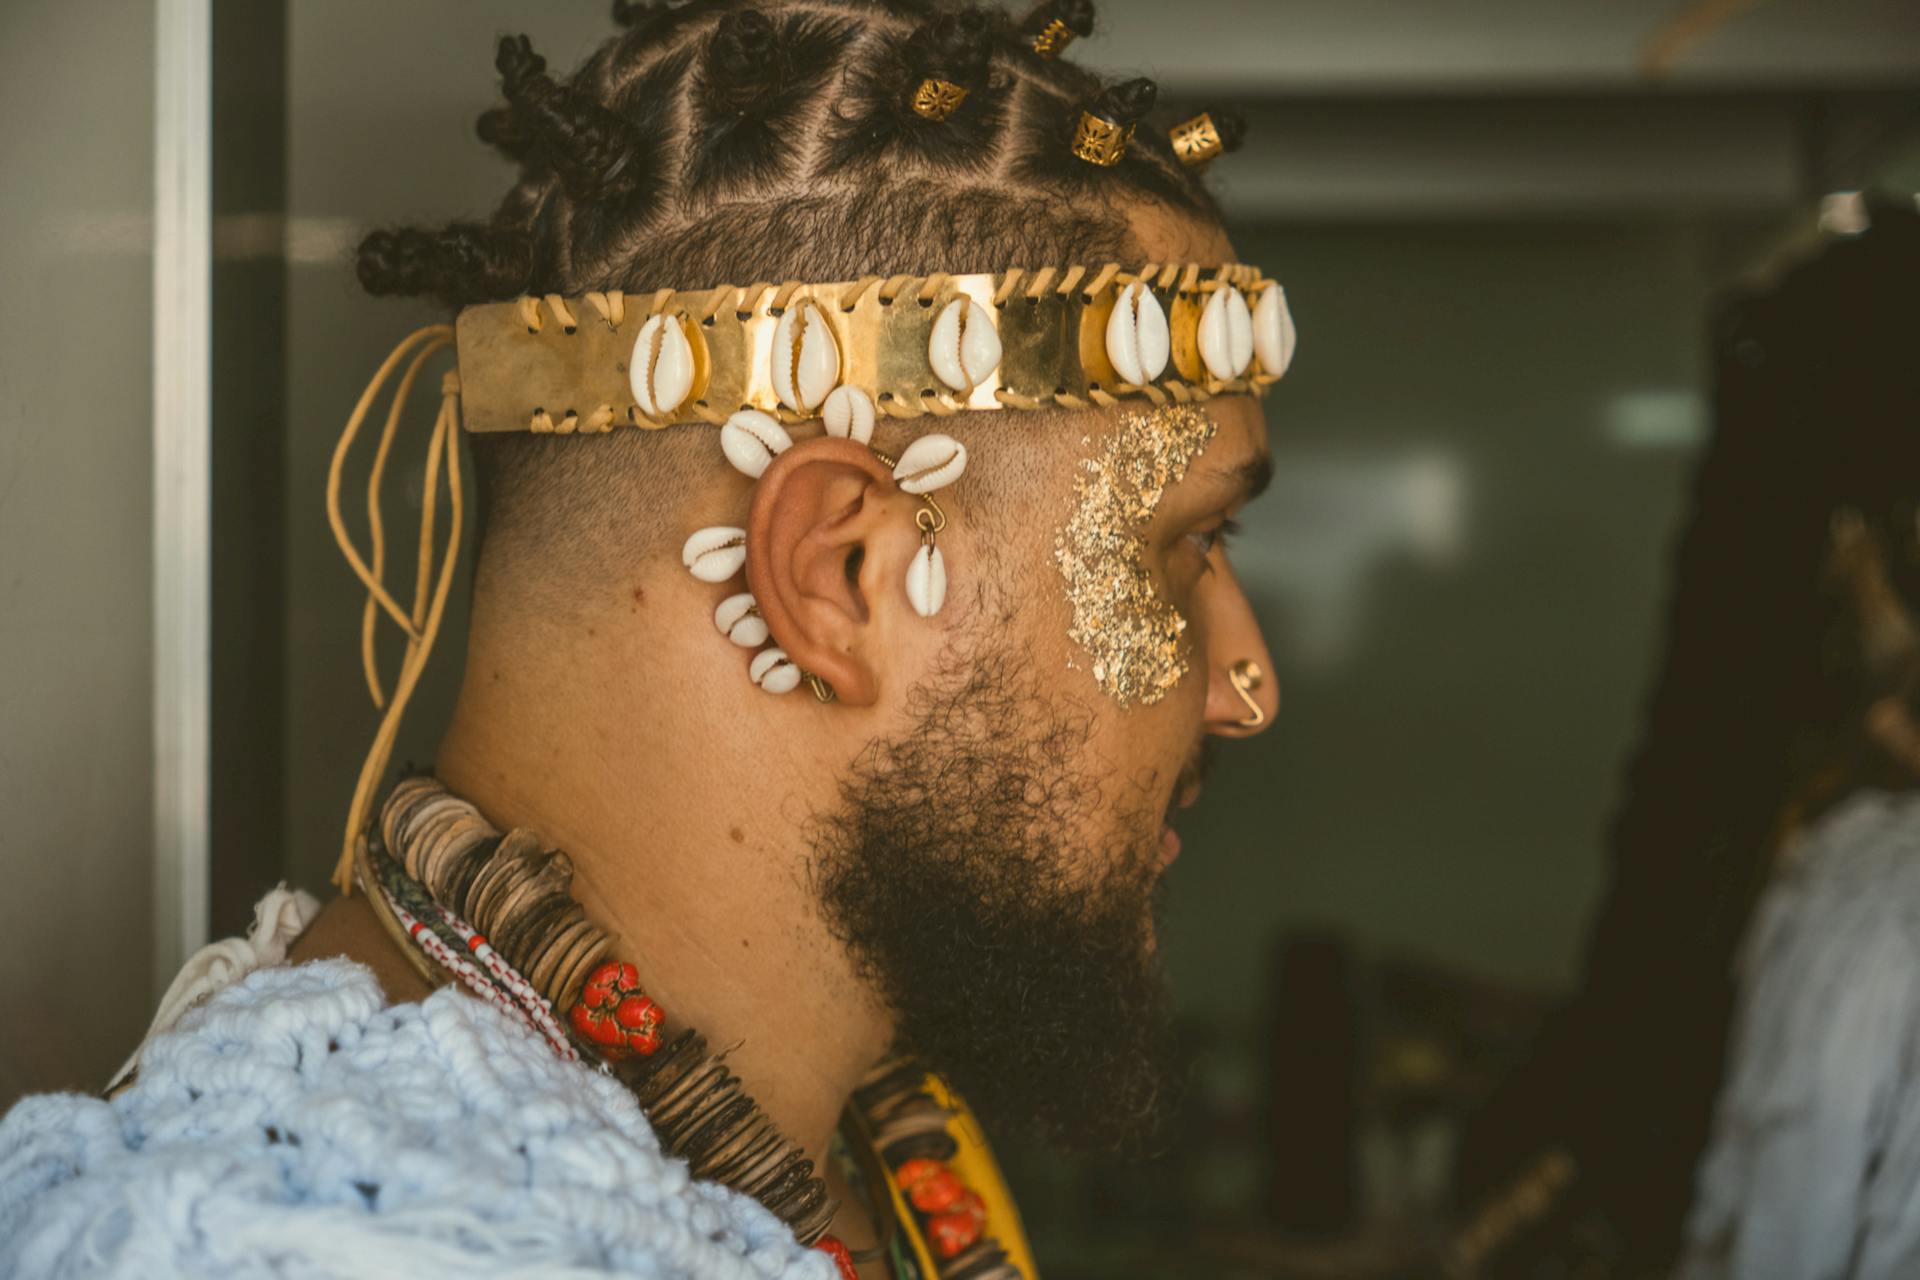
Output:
[[1273, 335], [661, 370], [806, 359], [965, 347], [716, 553], [739, 620], [1138, 340], [1226, 334], [927, 581], [929, 463], [848, 413], [772, 671], [751, 439]]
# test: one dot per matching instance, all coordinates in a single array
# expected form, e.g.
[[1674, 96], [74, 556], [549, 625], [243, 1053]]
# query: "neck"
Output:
[[692, 869]]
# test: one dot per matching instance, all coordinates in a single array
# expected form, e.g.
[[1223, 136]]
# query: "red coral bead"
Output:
[[938, 1193], [615, 1014], [842, 1257], [912, 1173], [951, 1233]]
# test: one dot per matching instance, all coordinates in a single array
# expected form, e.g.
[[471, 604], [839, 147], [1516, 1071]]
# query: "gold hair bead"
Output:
[[1101, 141], [937, 99], [1053, 39], [1197, 141]]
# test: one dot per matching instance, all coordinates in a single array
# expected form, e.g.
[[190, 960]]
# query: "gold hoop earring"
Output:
[[1246, 676]]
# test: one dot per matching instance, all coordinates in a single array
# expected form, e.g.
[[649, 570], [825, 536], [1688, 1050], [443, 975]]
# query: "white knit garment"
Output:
[[292, 1125], [1813, 1170]]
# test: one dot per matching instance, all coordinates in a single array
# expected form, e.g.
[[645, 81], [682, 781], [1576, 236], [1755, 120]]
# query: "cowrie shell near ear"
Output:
[[661, 370], [772, 671], [1273, 335], [751, 439], [1138, 342], [929, 463], [806, 359], [849, 414], [927, 581], [965, 347], [739, 620], [715, 554], [1226, 334]]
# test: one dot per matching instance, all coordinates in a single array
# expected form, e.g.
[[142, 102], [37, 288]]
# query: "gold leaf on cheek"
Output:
[[1131, 633]]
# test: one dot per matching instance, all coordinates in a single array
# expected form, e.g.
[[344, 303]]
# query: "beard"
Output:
[[1017, 959]]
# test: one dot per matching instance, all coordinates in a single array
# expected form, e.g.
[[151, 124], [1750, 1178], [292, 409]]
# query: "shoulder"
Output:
[[294, 1115]]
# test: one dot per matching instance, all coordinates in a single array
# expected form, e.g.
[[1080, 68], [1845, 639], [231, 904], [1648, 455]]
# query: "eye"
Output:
[[1217, 538]]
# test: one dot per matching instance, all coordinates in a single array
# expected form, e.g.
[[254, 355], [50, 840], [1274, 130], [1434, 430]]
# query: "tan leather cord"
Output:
[[421, 622]]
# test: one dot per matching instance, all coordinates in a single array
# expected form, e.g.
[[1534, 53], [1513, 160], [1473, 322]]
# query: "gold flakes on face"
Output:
[[1129, 630]]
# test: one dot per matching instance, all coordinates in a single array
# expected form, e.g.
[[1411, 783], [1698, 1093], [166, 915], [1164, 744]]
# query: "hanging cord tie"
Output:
[[421, 622]]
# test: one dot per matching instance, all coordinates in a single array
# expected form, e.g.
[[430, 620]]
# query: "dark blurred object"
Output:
[[1817, 408], [1313, 1040]]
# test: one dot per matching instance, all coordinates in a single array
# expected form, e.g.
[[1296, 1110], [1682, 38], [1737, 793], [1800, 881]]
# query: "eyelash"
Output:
[[1218, 538]]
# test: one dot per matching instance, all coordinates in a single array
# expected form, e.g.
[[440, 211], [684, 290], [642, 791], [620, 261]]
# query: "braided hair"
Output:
[[723, 140], [729, 141]]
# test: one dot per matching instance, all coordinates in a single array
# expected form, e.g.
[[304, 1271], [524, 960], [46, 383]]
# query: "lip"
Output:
[[1169, 845]]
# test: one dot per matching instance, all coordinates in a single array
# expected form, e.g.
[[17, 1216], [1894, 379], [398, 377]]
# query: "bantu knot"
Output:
[[590, 149], [1055, 24], [1231, 126], [463, 264], [629, 13], [1127, 102], [956, 46], [740, 56], [1075, 15], [499, 129]]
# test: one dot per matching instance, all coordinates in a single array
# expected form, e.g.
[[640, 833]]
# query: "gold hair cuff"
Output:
[[937, 99], [912, 345], [1053, 39], [1101, 141], [1196, 141]]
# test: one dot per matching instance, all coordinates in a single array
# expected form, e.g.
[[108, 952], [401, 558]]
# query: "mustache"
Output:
[[1198, 768]]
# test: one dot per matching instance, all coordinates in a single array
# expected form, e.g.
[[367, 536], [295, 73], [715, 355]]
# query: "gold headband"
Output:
[[914, 345]]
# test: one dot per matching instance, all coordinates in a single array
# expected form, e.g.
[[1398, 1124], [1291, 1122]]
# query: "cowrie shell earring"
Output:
[[929, 463], [738, 619], [715, 554], [752, 439], [773, 671], [848, 414]]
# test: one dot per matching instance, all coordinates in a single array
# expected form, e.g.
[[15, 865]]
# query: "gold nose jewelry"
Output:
[[1246, 676]]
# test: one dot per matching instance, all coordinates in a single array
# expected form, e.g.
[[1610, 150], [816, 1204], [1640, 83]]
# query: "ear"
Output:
[[828, 534]]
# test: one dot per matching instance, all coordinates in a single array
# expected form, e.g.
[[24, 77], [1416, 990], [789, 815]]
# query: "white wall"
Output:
[[76, 97]]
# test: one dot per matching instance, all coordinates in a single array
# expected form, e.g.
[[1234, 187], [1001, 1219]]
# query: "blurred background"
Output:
[[1503, 227]]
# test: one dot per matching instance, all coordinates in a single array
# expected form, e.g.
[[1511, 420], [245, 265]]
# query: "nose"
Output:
[[1243, 692]]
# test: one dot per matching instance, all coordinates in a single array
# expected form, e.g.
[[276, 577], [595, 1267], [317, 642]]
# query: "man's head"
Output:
[[978, 825]]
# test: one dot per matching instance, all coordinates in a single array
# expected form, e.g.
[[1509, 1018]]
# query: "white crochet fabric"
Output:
[[1813, 1170], [293, 1126]]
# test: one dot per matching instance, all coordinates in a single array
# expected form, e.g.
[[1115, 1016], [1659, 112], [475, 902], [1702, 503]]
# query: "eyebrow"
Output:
[[1245, 482]]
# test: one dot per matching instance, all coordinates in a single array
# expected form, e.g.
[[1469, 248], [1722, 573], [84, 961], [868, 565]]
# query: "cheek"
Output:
[[1133, 639]]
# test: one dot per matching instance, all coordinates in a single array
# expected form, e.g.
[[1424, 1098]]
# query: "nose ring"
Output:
[[1246, 676]]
